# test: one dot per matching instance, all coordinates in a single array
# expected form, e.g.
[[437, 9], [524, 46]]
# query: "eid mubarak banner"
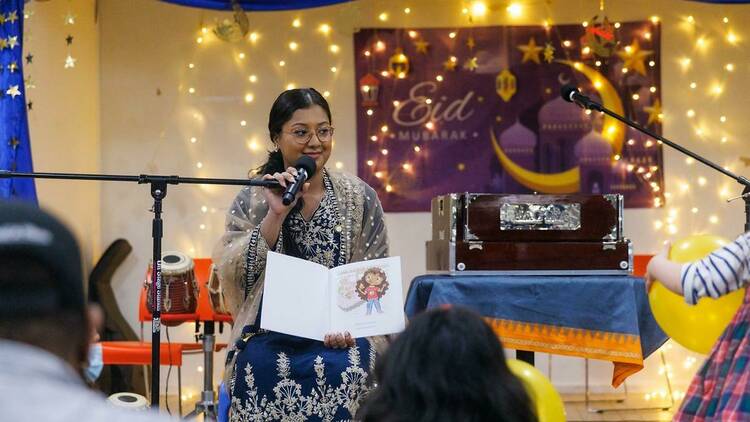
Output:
[[442, 110]]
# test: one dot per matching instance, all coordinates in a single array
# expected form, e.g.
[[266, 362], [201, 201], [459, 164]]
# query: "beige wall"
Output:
[[64, 122], [147, 118]]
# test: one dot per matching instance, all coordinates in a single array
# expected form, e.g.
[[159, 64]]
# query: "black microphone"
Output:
[[571, 94], [305, 169]]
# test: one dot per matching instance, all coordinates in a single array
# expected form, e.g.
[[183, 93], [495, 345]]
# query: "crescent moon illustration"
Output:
[[614, 130], [569, 180]]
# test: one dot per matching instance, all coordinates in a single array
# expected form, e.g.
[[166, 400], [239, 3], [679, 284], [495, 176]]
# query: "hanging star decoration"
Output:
[[69, 39], [12, 67], [13, 91], [29, 83], [450, 64], [13, 41], [70, 18], [421, 46], [471, 43], [29, 58], [12, 17], [30, 105], [600, 37], [530, 51], [70, 62], [633, 57], [471, 64], [549, 53], [654, 112]]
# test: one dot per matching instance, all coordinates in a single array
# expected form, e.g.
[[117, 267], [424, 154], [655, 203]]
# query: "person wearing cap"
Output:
[[44, 325]]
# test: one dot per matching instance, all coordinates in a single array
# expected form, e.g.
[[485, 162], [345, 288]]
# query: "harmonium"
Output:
[[528, 234]]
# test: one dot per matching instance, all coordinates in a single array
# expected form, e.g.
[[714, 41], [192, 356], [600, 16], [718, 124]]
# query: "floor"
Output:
[[635, 408]]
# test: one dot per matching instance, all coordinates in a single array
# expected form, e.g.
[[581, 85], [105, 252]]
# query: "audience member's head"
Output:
[[41, 284], [448, 365]]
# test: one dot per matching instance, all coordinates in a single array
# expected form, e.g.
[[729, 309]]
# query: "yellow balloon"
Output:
[[695, 327], [547, 402]]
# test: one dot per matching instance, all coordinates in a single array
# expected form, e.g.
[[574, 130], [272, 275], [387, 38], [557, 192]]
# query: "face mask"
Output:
[[95, 364]]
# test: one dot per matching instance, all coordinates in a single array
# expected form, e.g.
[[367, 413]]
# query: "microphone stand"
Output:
[[589, 104], [158, 192]]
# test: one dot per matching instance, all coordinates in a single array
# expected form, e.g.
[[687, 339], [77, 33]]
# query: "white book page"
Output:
[[367, 298], [295, 297]]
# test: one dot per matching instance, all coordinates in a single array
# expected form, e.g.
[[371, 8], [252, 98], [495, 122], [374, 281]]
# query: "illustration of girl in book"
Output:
[[371, 287]]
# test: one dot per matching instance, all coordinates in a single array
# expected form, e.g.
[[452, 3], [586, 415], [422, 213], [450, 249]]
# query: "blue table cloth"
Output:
[[598, 317]]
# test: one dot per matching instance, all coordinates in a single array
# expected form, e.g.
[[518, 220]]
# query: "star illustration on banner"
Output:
[[421, 46], [69, 39], [13, 41], [29, 58], [14, 143], [2, 18], [471, 64], [654, 112], [12, 17], [70, 18], [530, 51], [12, 67], [549, 53], [13, 91], [633, 57], [70, 62], [3, 44], [450, 64], [470, 43], [29, 83]]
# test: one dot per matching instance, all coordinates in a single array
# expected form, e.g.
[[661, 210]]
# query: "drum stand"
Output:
[[207, 404]]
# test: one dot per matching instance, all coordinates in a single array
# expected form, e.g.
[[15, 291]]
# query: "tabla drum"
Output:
[[179, 289], [216, 293]]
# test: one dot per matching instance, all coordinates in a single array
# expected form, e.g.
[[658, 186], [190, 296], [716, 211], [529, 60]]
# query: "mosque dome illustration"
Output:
[[594, 155], [561, 125], [519, 144]]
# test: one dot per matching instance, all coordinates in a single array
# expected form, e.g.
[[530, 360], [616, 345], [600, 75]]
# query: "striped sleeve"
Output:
[[723, 271]]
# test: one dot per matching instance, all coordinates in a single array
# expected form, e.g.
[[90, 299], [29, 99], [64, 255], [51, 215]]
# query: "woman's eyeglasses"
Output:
[[303, 136]]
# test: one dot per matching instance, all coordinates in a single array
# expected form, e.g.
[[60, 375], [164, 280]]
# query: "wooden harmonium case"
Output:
[[528, 234]]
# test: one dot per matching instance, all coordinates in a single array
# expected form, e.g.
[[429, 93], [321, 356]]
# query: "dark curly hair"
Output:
[[448, 365], [362, 283]]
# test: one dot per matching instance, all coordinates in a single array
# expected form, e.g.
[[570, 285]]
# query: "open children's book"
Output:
[[306, 299]]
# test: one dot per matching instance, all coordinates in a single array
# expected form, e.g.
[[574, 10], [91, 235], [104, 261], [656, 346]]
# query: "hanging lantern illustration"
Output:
[[398, 64], [369, 85], [505, 85]]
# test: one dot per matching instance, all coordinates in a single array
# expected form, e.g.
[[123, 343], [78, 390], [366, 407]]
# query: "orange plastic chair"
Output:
[[139, 353], [640, 262]]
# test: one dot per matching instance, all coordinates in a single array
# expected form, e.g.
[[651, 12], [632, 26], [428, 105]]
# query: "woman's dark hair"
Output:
[[448, 365], [282, 110]]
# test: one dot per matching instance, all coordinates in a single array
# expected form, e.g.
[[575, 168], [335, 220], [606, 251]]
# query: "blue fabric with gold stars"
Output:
[[15, 147]]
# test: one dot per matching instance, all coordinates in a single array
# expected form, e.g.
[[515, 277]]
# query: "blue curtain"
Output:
[[257, 5], [15, 146]]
